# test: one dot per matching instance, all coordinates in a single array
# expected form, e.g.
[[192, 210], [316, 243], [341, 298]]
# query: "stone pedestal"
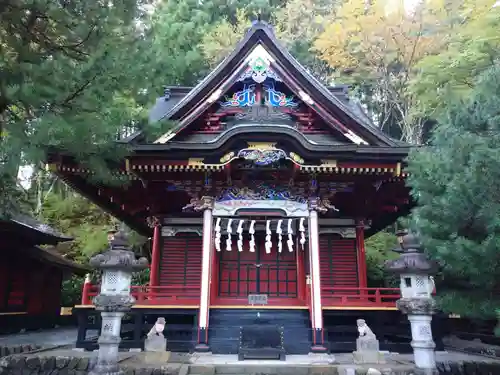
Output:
[[420, 311], [155, 343], [321, 359], [155, 349], [367, 351]]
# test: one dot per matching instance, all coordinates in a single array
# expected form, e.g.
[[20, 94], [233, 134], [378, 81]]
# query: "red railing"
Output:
[[153, 295], [189, 295], [359, 297]]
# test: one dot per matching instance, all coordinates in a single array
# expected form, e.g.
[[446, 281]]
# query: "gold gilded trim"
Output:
[[262, 145]]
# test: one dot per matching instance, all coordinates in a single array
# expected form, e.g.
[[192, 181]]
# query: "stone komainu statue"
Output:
[[158, 327], [365, 331]]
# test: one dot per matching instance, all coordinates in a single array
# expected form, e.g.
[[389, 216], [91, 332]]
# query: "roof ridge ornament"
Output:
[[259, 23]]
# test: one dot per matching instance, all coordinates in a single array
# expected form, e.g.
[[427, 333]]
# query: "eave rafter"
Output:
[[77, 179], [329, 166]]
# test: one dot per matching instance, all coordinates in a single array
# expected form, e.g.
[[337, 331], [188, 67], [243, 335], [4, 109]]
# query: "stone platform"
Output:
[[72, 362]]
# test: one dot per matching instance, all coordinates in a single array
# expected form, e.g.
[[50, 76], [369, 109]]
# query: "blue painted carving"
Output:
[[262, 157], [276, 98], [243, 98], [260, 192]]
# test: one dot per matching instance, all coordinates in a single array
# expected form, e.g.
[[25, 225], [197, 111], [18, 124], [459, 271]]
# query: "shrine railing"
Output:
[[359, 297], [152, 295], [189, 295]]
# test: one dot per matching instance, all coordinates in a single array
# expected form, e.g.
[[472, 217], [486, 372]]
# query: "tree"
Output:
[[454, 69], [456, 184], [377, 48], [66, 82], [221, 39], [379, 249], [296, 24]]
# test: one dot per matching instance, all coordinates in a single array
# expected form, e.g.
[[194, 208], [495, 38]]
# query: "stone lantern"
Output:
[[114, 299], [415, 271]]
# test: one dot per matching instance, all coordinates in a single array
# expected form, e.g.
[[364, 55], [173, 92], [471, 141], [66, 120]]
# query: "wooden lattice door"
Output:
[[243, 273]]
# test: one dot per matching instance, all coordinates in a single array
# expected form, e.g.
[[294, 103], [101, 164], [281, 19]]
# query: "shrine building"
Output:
[[258, 202], [31, 274]]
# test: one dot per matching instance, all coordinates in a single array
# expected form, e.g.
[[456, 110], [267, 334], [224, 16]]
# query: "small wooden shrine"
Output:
[[258, 202], [31, 275]]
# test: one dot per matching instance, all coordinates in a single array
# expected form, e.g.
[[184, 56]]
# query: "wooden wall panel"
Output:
[[338, 261], [180, 262]]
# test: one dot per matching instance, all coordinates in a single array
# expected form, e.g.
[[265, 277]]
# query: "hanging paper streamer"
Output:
[[290, 234], [217, 234], [268, 237], [302, 230], [252, 237], [240, 235], [229, 232], [279, 231]]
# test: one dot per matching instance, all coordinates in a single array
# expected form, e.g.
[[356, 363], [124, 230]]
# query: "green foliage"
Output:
[[72, 291], [141, 277], [455, 181], [66, 82], [470, 51], [77, 217], [379, 249], [298, 24]]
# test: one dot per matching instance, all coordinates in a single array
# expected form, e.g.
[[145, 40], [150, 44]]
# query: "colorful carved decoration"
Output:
[[296, 158], [243, 98], [199, 204], [227, 157], [247, 98], [260, 192], [276, 98], [262, 157], [321, 205]]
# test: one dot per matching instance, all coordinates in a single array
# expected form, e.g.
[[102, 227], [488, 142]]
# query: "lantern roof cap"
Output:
[[412, 258]]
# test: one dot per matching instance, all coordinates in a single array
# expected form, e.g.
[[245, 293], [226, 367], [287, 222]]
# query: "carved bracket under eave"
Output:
[[344, 232], [173, 231]]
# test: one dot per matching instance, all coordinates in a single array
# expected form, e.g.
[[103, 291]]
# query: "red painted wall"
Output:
[[31, 286], [180, 262], [338, 261]]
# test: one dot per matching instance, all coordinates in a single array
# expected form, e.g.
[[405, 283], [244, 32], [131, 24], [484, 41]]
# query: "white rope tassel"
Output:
[[268, 237], [252, 237], [240, 235], [290, 234], [229, 232], [217, 234], [279, 231], [302, 230]]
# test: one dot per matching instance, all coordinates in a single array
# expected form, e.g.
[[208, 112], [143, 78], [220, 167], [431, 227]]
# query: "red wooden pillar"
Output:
[[86, 290], [154, 279], [301, 276], [361, 254]]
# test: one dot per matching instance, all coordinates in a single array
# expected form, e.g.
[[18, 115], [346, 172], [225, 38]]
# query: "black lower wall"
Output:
[[225, 326], [392, 329], [180, 330], [340, 331]]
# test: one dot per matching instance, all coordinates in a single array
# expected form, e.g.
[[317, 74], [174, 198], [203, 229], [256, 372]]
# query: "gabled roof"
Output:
[[31, 230], [346, 118]]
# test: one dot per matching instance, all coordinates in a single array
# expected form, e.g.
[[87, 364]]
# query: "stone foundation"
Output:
[[28, 364], [16, 349], [65, 365]]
